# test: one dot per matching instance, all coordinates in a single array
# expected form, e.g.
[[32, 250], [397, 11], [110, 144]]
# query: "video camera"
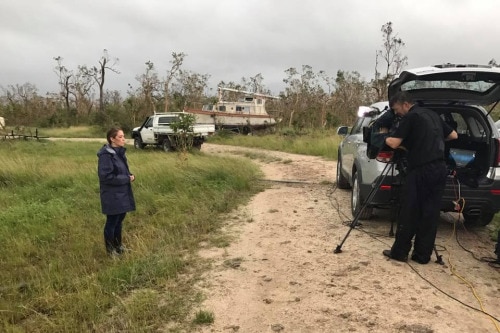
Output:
[[375, 134]]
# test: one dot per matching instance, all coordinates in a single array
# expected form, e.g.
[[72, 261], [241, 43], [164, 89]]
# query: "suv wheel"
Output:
[[357, 200], [342, 181], [480, 220]]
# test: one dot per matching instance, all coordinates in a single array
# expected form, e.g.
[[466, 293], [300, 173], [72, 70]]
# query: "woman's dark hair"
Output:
[[112, 133]]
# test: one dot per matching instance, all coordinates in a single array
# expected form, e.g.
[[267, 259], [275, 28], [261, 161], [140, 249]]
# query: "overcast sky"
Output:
[[231, 39]]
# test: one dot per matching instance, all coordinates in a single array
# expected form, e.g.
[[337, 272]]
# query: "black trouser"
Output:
[[113, 231], [419, 215]]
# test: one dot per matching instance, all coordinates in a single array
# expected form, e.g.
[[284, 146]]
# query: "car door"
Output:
[[147, 133], [351, 143]]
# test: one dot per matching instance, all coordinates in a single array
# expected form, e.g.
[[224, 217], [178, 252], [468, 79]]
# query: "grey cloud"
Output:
[[230, 39]]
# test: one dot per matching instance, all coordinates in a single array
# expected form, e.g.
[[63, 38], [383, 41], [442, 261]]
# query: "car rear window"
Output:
[[166, 120], [477, 86]]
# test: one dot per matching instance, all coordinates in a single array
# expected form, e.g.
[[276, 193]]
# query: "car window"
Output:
[[461, 124], [467, 123], [164, 121], [476, 127], [360, 123], [478, 86], [455, 121]]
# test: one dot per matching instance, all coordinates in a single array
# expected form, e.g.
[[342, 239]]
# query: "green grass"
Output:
[[317, 143], [494, 226], [55, 275], [72, 132], [203, 318]]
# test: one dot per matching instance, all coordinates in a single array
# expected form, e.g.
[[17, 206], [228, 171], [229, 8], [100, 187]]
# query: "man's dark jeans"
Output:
[[420, 207]]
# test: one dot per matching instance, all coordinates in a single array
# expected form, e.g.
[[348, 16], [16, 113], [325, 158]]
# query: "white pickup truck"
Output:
[[156, 131]]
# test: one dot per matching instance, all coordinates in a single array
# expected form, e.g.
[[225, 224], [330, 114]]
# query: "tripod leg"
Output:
[[372, 193], [396, 207], [439, 258]]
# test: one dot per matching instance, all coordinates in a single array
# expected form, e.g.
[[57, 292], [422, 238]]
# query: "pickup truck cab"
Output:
[[156, 130]]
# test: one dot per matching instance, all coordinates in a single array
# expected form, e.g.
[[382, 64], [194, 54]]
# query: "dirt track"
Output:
[[280, 274]]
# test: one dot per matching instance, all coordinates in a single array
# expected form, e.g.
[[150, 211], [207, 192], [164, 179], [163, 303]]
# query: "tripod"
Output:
[[388, 167]]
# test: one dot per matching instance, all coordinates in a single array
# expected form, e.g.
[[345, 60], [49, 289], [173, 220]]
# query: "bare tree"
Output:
[[83, 92], [149, 85], [192, 87], [394, 60], [98, 73], [24, 102], [301, 96], [64, 81], [253, 84], [350, 92], [177, 60], [327, 97]]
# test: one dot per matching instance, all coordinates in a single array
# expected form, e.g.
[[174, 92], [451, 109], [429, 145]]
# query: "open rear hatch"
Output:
[[462, 84], [454, 91]]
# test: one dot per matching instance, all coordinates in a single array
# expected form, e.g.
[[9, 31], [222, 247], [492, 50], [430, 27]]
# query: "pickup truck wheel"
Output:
[[478, 220], [357, 200], [342, 181], [167, 146], [138, 144]]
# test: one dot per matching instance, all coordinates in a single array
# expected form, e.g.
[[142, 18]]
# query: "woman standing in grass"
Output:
[[116, 190]]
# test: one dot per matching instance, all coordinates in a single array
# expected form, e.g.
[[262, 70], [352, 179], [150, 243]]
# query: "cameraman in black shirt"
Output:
[[422, 133]]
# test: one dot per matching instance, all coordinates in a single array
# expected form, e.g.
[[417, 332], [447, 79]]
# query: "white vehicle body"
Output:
[[156, 130], [463, 96]]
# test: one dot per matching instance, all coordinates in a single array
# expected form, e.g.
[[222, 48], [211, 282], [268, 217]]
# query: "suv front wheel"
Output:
[[357, 200], [342, 181]]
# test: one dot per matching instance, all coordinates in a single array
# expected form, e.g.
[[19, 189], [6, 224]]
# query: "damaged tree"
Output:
[[99, 74], [394, 61]]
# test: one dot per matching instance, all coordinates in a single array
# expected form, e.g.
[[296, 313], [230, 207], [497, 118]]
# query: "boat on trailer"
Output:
[[244, 115]]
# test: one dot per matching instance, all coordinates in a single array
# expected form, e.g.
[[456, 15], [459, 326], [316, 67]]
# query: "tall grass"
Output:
[[317, 143], [55, 275], [72, 132]]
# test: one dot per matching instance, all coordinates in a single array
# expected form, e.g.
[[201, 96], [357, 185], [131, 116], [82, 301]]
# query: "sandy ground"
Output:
[[280, 273]]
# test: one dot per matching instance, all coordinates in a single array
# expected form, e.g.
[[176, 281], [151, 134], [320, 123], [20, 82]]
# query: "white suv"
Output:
[[459, 94]]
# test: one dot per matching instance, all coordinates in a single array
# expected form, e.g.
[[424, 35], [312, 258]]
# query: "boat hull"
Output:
[[239, 120]]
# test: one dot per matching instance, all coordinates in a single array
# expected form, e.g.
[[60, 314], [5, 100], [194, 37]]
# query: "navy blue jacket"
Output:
[[114, 181]]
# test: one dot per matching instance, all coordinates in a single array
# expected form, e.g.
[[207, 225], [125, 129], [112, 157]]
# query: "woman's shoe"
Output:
[[120, 249]]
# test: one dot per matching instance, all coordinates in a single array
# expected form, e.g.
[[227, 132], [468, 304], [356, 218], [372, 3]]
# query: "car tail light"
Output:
[[495, 192], [385, 187], [385, 156]]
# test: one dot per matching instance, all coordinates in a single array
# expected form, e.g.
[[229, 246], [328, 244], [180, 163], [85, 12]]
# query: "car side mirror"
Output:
[[342, 130]]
